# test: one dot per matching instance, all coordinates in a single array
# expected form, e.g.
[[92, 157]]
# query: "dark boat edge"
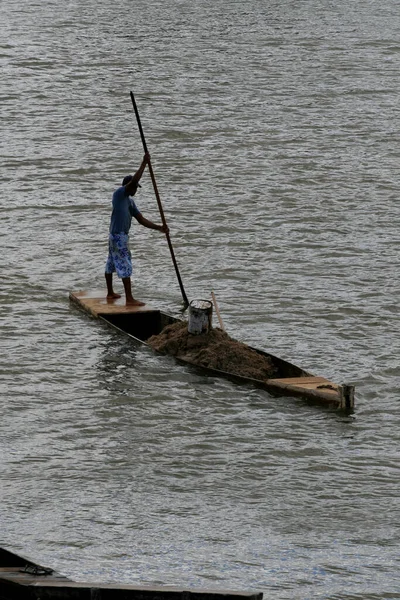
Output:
[[23, 579]]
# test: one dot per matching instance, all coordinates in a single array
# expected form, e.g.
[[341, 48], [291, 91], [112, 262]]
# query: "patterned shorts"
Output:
[[119, 256]]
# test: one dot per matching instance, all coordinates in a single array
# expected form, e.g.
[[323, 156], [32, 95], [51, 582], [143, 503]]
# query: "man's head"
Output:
[[130, 184]]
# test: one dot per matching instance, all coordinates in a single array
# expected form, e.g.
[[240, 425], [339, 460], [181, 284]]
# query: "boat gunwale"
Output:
[[17, 583]]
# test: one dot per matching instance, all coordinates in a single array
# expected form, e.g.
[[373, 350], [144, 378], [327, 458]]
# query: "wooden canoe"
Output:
[[140, 323], [23, 579]]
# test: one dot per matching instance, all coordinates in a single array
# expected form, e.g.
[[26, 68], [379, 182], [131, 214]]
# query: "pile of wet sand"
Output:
[[214, 349]]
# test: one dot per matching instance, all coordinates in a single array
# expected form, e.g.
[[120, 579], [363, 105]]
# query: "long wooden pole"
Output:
[[160, 208]]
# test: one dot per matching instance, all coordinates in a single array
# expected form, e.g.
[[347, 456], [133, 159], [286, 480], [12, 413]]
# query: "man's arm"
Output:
[[131, 187], [137, 176], [150, 225]]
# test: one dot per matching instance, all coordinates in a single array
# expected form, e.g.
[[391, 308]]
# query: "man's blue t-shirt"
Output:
[[124, 208]]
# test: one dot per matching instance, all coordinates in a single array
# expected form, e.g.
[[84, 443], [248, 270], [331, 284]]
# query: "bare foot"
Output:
[[113, 296], [134, 302]]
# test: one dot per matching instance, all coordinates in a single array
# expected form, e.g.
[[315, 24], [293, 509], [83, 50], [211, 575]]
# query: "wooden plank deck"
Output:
[[96, 303], [310, 383]]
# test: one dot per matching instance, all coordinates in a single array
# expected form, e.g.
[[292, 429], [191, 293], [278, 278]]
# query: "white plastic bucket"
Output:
[[200, 316]]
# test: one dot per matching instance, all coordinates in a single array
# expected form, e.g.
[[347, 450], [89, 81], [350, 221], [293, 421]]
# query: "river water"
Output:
[[273, 130]]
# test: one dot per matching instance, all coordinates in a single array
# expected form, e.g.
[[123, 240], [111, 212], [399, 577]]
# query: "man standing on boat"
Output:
[[119, 256]]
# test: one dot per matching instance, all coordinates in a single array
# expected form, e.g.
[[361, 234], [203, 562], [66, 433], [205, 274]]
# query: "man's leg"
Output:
[[110, 290], [128, 293]]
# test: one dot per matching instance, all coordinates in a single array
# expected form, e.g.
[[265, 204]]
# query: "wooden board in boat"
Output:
[[96, 303]]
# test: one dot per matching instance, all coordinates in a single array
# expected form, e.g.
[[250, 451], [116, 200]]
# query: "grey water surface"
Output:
[[274, 134]]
